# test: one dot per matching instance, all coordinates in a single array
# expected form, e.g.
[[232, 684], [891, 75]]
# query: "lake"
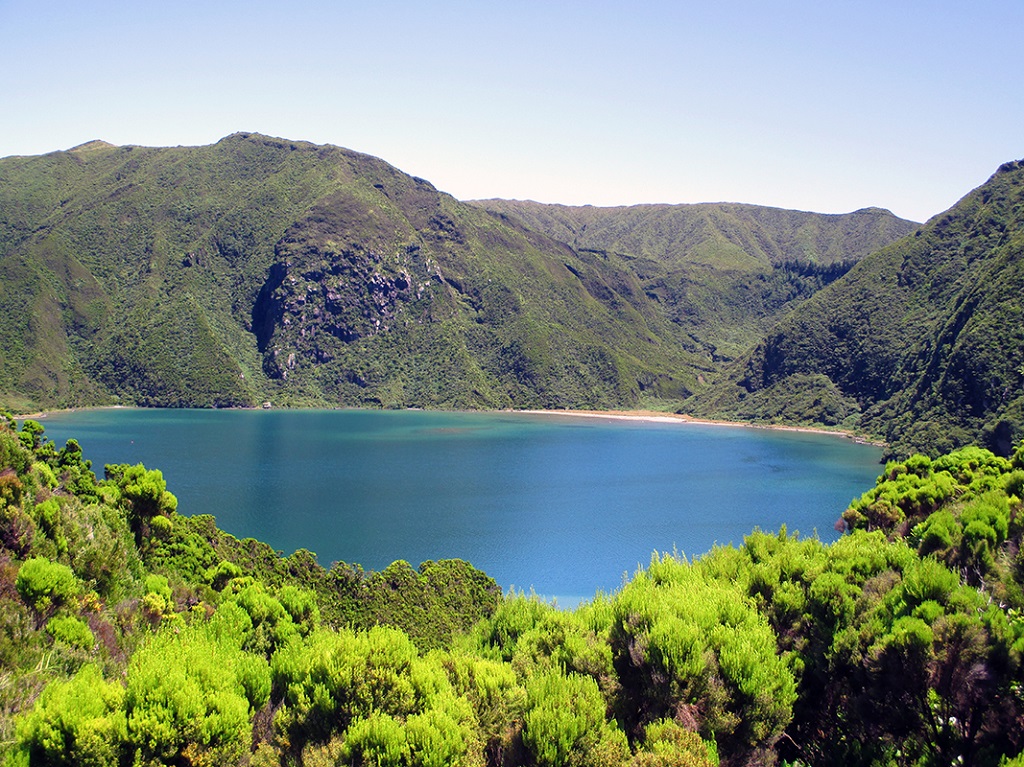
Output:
[[561, 504]]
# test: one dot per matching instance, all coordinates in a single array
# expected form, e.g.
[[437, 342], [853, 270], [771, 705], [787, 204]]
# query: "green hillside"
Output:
[[263, 269], [723, 235], [922, 343], [721, 272]]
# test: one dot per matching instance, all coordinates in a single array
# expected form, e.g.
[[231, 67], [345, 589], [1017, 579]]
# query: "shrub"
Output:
[[78, 723], [71, 631], [46, 585]]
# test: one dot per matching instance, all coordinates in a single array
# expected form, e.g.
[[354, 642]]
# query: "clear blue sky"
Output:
[[824, 106]]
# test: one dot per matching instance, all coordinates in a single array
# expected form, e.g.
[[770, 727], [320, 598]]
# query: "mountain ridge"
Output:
[[174, 276], [721, 272]]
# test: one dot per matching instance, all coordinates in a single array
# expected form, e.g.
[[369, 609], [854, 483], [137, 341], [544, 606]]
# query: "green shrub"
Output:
[[190, 697], [78, 723], [71, 631], [46, 585], [565, 722]]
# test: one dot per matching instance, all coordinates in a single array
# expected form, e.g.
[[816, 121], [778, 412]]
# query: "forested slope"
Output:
[[721, 272], [261, 268], [131, 634], [265, 269], [723, 235], [922, 343]]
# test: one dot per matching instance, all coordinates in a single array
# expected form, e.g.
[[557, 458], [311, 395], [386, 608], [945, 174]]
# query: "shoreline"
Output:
[[57, 411], [644, 416], [655, 416]]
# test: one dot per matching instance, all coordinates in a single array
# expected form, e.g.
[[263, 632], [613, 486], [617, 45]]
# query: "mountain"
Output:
[[258, 269], [720, 271], [921, 343], [264, 269]]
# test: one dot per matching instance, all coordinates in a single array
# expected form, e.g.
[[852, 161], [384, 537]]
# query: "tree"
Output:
[[143, 493]]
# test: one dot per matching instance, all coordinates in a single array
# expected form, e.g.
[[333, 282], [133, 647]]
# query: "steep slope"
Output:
[[720, 271], [261, 268], [921, 343]]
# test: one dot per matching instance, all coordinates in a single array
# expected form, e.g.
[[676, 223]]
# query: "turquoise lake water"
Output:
[[564, 505]]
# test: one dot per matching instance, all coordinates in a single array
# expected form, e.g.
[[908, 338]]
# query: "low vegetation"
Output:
[[133, 635]]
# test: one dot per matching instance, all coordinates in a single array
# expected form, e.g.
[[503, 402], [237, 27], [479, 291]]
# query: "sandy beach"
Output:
[[654, 416]]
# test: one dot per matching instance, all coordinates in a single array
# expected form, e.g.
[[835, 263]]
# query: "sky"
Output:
[[822, 106]]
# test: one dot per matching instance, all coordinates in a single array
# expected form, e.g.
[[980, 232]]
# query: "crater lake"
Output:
[[560, 504]]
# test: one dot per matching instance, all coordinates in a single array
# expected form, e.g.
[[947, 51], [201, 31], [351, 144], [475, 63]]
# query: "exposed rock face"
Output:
[[320, 293]]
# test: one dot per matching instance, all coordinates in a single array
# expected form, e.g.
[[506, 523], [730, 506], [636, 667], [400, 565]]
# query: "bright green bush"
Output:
[[71, 631], [190, 696], [491, 687], [48, 520], [301, 606], [379, 740], [565, 722], [683, 640], [272, 625], [374, 688], [78, 723], [13, 454], [43, 584], [101, 550], [157, 584], [515, 616], [429, 739], [667, 744], [144, 494], [333, 677]]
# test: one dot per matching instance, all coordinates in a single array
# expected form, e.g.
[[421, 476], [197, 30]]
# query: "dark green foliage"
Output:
[[262, 269], [804, 399], [259, 268], [719, 272], [924, 336], [434, 604], [711, 233]]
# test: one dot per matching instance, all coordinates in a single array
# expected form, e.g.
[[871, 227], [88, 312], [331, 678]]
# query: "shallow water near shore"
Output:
[[562, 505]]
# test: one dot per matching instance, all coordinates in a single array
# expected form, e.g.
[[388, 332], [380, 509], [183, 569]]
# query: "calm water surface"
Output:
[[564, 505]]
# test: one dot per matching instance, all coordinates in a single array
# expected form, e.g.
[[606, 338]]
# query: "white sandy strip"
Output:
[[683, 419], [650, 418]]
